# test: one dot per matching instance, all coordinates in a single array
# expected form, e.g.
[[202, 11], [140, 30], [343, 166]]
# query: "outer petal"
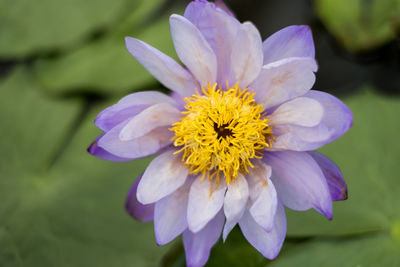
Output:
[[264, 200], [198, 245], [205, 200], [267, 243], [300, 111], [234, 203], [165, 174], [300, 183], [128, 107], [158, 115], [140, 147], [193, 50], [284, 80], [337, 185], [162, 67], [99, 152], [137, 210], [336, 121], [247, 55], [292, 41], [219, 28], [220, 4], [170, 215]]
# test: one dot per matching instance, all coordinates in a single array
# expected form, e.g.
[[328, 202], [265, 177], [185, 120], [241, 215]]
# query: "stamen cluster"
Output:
[[221, 132]]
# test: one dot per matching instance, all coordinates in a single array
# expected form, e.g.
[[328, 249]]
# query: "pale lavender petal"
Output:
[[155, 116], [205, 200], [162, 67], [284, 80], [247, 56], [302, 111], [299, 181], [128, 107], [143, 146], [137, 210], [337, 185], [193, 50], [99, 152], [267, 243], [170, 215], [263, 197], [219, 29], [336, 121], [221, 5], [235, 203], [292, 41], [165, 174], [198, 245]]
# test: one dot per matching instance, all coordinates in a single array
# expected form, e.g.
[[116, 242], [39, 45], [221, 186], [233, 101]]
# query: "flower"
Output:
[[234, 139]]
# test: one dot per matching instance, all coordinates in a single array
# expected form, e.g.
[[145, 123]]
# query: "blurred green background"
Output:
[[62, 61]]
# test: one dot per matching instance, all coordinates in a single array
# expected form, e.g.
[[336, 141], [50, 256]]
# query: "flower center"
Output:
[[221, 131]]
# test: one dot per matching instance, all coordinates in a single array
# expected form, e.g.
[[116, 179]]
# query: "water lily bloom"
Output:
[[235, 139]]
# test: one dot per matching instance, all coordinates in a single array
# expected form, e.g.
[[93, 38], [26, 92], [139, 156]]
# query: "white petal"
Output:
[[158, 115], [263, 196], [170, 215], [162, 67], [267, 243], [235, 202], [164, 175], [193, 50], [205, 200], [284, 80], [247, 55], [302, 111]]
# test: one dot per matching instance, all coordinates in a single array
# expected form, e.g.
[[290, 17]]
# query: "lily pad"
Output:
[[61, 206], [105, 66], [32, 27], [360, 25]]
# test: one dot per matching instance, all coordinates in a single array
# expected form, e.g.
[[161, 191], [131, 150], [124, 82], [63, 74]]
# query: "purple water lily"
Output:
[[233, 139]]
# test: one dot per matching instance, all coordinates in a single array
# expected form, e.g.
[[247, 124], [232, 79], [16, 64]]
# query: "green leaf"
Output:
[[31, 27], [366, 251], [61, 206], [360, 25], [106, 66]]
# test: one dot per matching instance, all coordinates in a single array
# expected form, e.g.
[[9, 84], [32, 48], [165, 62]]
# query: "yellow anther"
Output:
[[221, 131]]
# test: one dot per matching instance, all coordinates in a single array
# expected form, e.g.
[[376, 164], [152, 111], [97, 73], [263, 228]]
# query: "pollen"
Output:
[[221, 132]]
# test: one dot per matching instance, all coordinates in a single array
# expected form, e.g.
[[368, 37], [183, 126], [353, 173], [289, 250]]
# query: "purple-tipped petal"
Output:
[[247, 55], [155, 116], [219, 29], [292, 41], [198, 245], [263, 197], [267, 243], [336, 121], [337, 185], [302, 111], [284, 80], [162, 67], [193, 50], [235, 203], [99, 152], [137, 210], [170, 215], [205, 200], [128, 107], [143, 146], [165, 174], [299, 181]]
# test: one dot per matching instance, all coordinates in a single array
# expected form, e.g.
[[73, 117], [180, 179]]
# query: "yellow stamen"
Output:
[[222, 131]]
